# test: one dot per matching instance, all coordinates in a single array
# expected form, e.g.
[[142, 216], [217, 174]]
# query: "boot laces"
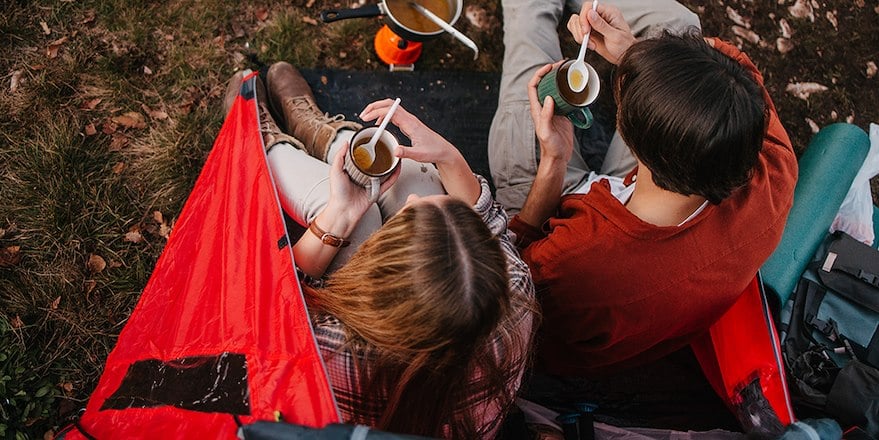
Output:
[[311, 116], [267, 123]]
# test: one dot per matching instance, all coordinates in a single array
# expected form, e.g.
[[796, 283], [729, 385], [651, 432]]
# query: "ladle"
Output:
[[578, 68], [369, 147], [446, 27]]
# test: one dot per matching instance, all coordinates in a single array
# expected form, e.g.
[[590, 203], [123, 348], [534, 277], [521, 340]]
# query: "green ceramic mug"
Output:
[[567, 103]]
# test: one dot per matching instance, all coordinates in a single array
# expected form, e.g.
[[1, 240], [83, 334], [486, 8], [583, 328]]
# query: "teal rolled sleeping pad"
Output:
[[826, 171]]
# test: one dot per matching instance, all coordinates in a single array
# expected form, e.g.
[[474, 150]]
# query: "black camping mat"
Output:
[[458, 105]]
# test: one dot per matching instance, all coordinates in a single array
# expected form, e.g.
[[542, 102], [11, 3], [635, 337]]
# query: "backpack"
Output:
[[830, 335]]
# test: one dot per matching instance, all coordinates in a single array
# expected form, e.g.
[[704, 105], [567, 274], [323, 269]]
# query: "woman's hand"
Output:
[[610, 36], [427, 145], [555, 133], [348, 200]]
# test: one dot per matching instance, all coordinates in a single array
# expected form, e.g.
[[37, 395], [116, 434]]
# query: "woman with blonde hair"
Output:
[[425, 321]]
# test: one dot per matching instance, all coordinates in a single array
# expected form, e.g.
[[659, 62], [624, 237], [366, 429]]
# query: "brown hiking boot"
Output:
[[267, 125], [291, 97], [271, 133]]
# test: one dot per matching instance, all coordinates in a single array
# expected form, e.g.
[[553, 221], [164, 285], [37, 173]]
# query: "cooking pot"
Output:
[[402, 18]]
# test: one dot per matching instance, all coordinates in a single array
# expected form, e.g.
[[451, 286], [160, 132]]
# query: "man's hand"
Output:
[[556, 137], [610, 36], [555, 133]]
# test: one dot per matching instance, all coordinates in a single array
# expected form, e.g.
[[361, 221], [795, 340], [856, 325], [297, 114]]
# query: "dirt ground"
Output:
[[819, 59]]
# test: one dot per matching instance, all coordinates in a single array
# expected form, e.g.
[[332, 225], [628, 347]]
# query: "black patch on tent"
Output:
[[457, 105], [215, 383]]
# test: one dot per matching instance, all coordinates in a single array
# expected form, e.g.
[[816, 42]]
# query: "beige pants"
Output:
[[531, 40], [304, 189]]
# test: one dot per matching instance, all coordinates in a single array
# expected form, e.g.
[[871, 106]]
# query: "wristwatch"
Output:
[[327, 238]]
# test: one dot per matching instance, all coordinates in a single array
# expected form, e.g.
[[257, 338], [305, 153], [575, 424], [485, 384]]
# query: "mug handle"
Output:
[[374, 186], [583, 123]]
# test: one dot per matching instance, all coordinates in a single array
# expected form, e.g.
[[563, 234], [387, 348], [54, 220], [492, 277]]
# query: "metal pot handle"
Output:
[[331, 15]]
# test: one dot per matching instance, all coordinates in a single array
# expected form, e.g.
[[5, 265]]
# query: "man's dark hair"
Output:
[[695, 117]]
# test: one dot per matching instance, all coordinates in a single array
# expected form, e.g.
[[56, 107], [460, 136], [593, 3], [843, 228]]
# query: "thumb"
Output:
[[597, 22]]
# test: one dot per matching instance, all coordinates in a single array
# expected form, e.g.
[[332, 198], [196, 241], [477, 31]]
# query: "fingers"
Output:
[[576, 27], [339, 159], [391, 180], [597, 22], [547, 112], [373, 109], [532, 90]]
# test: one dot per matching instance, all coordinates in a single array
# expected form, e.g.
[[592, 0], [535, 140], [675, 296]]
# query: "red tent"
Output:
[[220, 331]]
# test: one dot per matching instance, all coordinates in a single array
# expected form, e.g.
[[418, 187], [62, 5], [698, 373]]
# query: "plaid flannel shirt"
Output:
[[340, 361]]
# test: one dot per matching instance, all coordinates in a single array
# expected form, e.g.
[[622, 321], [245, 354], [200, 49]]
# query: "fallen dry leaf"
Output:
[[14, 81], [323, 79], [747, 34], [119, 168], [109, 127], [309, 4], [309, 20], [45, 27], [10, 256], [262, 13], [164, 231], [871, 69], [90, 130], [16, 322], [67, 387], [96, 263], [804, 89], [114, 264], [831, 17], [49, 435], [784, 45], [130, 120], [813, 126], [733, 15], [52, 48], [850, 119], [158, 217], [802, 9], [133, 235], [786, 31], [859, 3], [90, 104], [55, 303], [476, 16], [119, 141]]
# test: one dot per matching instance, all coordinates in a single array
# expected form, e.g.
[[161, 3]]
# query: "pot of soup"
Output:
[[402, 18]]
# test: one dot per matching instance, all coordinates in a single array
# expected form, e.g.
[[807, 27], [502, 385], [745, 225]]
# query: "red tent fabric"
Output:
[[221, 327], [743, 346]]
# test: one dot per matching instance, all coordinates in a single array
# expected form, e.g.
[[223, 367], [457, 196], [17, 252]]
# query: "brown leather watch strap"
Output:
[[327, 238]]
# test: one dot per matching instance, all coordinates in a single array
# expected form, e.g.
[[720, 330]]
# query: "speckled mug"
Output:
[[369, 178]]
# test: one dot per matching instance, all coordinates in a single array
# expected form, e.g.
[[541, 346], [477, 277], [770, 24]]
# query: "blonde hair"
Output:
[[422, 297]]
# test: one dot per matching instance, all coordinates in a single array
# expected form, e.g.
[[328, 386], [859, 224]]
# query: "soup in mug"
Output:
[[384, 158]]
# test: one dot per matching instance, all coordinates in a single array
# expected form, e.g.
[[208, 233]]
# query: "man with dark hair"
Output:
[[630, 269]]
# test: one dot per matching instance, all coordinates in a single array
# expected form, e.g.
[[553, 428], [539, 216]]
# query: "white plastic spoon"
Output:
[[446, 27], [578, 75], [369, 147]]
